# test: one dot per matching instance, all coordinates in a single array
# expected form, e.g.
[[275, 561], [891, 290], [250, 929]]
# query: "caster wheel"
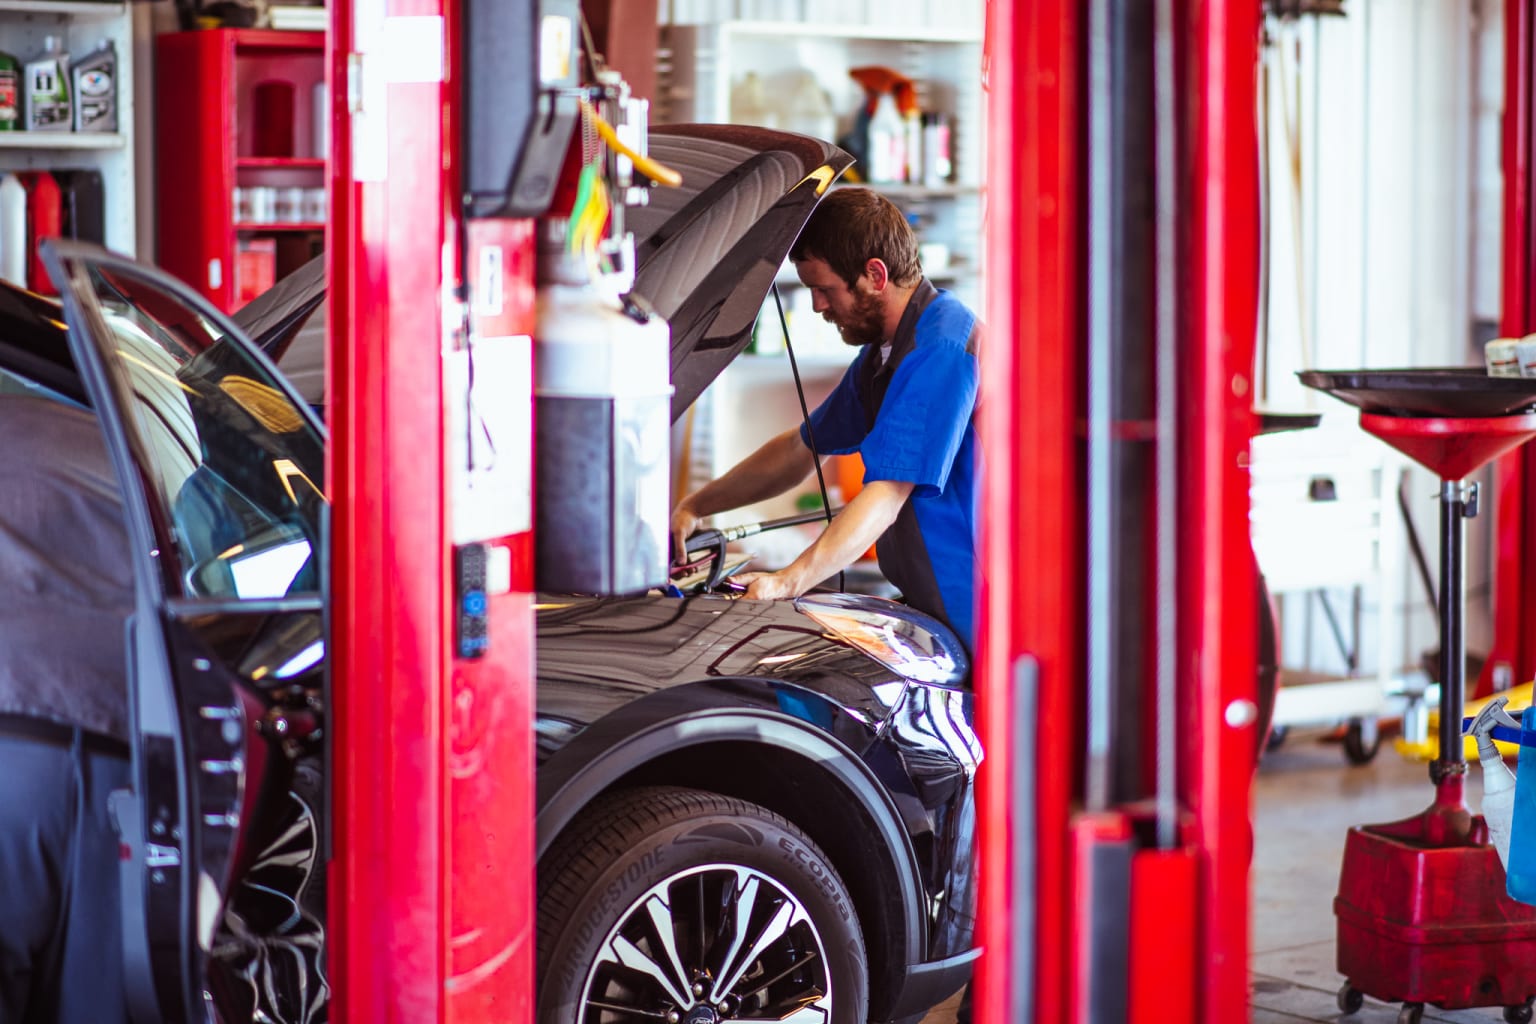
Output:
[[1361, 741], [1350, 999], [1520, 1013], [1277, 735], [1411, 1013]]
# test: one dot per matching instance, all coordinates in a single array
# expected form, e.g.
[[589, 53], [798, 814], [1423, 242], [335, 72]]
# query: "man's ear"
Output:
[[876, 271]]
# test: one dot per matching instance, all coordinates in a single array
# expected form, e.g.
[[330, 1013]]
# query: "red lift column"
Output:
[[431, 884], [1512, 657], [1185, 940]]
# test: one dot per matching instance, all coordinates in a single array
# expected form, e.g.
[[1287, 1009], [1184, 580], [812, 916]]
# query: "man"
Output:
[[906, 405], [68, 590]]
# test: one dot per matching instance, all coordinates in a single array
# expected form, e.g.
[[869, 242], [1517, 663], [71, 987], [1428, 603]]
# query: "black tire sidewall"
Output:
[[754, 842]]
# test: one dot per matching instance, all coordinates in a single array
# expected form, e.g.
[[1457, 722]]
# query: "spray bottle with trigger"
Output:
[[879, 137]]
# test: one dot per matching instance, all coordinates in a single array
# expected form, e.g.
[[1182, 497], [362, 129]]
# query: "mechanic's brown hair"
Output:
[[853, 225]]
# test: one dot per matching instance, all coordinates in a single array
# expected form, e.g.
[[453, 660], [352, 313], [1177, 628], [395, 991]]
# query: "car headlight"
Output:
[[901, 638]]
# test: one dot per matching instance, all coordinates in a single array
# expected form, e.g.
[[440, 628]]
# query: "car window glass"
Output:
[[235, 467]]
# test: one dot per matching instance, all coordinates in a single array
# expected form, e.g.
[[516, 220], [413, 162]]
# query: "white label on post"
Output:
[[490, 442], [215, 273]]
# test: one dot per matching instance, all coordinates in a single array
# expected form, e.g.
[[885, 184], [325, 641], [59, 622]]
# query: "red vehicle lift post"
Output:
[[1185, 934], [431, 901], [1512, 657]]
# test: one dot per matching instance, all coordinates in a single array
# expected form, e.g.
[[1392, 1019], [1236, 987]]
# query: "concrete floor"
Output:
[[1305, 798]]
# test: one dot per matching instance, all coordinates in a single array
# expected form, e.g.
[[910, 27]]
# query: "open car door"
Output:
[[222, 473]]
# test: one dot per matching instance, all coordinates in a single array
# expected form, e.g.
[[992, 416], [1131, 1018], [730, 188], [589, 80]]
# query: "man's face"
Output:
[[856, 312]]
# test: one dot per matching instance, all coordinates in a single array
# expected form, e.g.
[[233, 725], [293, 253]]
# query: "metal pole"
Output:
[[1451, 761], [1165, 112]]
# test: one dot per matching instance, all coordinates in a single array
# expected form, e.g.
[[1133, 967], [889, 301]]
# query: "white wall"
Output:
[[1386, 249]]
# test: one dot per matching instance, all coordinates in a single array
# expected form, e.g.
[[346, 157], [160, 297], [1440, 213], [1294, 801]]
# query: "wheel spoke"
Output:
[[626, 954], [816, 1010], [786, 972], [666, 934], [629, 1011], [771, 933]]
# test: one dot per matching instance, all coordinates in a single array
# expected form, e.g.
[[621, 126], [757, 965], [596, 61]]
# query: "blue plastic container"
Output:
[[1521, 871]]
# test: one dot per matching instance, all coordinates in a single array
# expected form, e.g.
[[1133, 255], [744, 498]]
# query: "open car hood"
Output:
[[708, 251]]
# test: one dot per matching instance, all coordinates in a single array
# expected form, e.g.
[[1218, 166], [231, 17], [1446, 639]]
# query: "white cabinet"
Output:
[[1329, 539], [82, 26]]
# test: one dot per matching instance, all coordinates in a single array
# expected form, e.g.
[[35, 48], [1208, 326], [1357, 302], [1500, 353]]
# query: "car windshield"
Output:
[[237, 468]]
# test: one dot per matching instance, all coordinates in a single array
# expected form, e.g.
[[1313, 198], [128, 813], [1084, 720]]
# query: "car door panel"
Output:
[[207, 441]]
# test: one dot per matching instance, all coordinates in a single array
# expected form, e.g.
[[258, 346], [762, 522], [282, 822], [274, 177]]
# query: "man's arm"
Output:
[[781, 463], [849, 535]]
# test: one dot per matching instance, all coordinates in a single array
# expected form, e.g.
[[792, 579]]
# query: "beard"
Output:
[[864, 324]]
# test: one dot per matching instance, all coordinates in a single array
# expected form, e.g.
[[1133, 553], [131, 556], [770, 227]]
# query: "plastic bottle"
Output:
[[320, 124], [749, 103], [45, 219], [1498, 794], [13, 230], [47, 89], [10, 94], [809, 109], [912, 169], [95, 81], [887, 141], [938, 168]]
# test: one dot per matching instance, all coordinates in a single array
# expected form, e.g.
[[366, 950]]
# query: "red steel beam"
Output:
[[431, 878], [1031, 593], [1512, 654], [1216, 597]]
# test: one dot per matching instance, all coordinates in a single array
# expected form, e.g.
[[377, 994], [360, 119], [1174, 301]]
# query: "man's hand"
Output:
[[771, 586], [685, 523]]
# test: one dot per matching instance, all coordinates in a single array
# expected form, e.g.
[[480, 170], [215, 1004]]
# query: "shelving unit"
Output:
[[24, 24], [939, 49], [215, 136]]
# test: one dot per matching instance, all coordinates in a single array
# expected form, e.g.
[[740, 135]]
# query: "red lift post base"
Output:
[[1422, 914]]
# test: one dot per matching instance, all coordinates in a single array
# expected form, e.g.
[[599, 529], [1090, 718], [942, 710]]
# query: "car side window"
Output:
[[236, 470]]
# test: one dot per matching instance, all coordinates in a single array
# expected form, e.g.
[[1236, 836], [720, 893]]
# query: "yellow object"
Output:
[[657, 172], [1520, 697]]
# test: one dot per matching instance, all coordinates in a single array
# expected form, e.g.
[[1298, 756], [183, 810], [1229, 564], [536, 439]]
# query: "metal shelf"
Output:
[[883, 33], [63, 140], [64, 8]]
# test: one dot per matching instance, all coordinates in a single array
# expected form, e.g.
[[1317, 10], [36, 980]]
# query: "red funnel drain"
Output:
[[1451, 448]]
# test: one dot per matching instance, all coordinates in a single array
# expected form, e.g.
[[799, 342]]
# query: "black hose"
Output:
[[805, 416]]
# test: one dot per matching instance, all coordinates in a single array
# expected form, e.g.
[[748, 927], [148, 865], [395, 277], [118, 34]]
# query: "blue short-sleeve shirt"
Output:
[[911, 417]]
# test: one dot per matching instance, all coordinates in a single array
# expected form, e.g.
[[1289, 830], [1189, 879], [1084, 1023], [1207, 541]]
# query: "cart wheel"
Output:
[[1277, 735], [1350, 999], [1361, 741], [1520, 1013], [1411, 1013]]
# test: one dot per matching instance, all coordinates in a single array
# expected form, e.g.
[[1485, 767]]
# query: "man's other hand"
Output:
[[770, 586]]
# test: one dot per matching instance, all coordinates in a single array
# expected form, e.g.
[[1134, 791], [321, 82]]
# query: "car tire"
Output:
[[676, 901]]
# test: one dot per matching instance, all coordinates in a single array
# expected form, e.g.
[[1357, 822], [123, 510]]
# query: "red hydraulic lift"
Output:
[[1137, 909], [431, 892]]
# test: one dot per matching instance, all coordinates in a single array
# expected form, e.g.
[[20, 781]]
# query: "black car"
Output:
[[745, 810]]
